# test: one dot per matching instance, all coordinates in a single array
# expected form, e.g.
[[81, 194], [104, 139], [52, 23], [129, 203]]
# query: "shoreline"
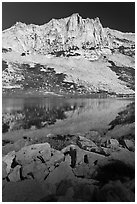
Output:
[[38, 94]]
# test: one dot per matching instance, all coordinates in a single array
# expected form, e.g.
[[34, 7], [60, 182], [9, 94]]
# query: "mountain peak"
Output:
[[97, 19], [60, 34], [76, 15], [20, 24], [84, 39]]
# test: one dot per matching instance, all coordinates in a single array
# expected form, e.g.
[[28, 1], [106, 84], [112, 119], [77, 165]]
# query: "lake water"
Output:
[[76, 114]]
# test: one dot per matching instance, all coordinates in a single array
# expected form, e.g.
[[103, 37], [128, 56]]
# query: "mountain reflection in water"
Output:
[[29, 113]]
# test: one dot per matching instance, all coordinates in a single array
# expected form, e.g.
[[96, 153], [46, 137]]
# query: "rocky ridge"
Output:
[[90, 58], [65, 34]]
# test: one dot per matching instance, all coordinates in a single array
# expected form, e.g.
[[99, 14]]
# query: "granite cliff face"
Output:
[[63, 34], [75, 39]]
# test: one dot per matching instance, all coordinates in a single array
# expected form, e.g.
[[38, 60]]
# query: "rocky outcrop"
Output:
[[78, 55], [38, 172], [64, 34]]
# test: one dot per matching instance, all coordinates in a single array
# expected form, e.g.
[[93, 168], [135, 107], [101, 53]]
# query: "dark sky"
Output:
[[116, 15]]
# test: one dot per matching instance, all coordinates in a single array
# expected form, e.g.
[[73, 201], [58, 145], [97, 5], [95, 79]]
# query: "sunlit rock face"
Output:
[[84, 56], [63, 34]]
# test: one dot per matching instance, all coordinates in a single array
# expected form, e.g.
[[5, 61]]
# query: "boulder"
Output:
[[76, 155], [130, 184], [63, 186], [27, 170], [34, 152], [80, 180], [66, 149], [57, 157], [4, 183], [115, 192], [60, 173], [93, 136], [113, 170], [114, 143], [20, 144], [83, 192], [35, 170], [68, 159], [8, 159], [89, 145], [24, 191], [4, 172], [94, 158], [68, 196], [85, 143], [14, 176], [40, 172], [81, 154], [33, 127], [50, 135], [110, 143], [124, 156], [7, 148], [84, 170], [129, 145], [106, 151]]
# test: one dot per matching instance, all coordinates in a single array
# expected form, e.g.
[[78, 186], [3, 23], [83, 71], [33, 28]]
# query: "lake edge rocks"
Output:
[[62, 175]]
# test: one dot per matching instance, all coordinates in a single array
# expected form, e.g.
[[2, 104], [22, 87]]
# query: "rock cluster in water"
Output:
[[85, 168]]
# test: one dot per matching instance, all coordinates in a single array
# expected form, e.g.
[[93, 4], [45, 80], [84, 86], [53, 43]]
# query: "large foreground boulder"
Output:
[[115, 192], [35, 170], [15, 174], [27, 190], [34, 152], [124, 156], [60, 173], [8, 159], [4, 172], [41, 173]]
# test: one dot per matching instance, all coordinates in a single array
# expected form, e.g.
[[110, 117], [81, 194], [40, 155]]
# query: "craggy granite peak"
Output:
[[61, 34], [69, 56]]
